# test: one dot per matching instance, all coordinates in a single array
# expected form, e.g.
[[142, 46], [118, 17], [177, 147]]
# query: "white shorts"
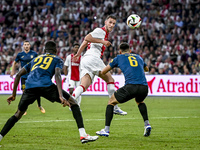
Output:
[[91, 65], [73, 84]]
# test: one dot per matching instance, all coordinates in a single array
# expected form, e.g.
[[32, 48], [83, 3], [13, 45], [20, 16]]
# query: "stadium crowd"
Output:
[[168, 39]]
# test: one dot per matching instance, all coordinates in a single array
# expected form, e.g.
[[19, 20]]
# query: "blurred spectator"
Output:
[[169, 34]]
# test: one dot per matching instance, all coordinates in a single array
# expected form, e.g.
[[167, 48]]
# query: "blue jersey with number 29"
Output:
[[41, 70], [132, 66]]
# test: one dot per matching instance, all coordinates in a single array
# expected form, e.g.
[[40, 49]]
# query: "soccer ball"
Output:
[[134, 21]]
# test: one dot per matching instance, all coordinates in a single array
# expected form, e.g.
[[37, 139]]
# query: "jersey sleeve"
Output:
[[98, 33], [114, 63], [59, 63], [67, 61], [17, 58]]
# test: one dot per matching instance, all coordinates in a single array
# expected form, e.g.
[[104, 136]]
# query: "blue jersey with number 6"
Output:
[[41, 70], [132, 66]]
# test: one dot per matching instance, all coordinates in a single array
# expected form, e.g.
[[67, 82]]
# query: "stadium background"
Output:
[[168, 39]]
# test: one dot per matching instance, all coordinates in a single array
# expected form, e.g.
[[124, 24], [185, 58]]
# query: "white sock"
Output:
[[107, 128], [1, 137], [79, 100], [78, 91], [82, 132], [111, 89], [116, 107]]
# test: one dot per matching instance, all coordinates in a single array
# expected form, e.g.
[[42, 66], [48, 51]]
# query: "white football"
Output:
[[134, 21]]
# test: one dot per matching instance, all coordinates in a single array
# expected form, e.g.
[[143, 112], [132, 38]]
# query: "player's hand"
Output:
[[106, 43], [64, 102], [10, 99], [76, 57]]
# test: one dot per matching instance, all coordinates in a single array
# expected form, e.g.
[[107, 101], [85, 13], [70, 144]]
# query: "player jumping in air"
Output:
[[92, 64]]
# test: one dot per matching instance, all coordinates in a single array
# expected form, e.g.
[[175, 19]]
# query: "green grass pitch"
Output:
[[175, 125]]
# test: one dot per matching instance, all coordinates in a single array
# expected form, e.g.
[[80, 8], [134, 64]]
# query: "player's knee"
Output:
[[112, 101], [19, 114]]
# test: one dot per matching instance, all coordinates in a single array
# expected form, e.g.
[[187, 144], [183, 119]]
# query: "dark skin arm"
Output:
[[65, 69], [106, 69], [58, 79], [16, 82]]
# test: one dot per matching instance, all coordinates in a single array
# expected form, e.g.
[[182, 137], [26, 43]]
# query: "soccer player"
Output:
[[24, 58], [41, 70], [92, 64], [133, 67], [72, 67]]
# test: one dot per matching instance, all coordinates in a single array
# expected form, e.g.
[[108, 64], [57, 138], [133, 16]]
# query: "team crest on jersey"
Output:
[[31, 56], [22, 57]]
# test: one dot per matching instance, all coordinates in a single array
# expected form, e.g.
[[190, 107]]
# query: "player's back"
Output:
[[41, 70], [132, 66]]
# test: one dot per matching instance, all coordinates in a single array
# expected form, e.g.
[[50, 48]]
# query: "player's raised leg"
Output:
[[85, 83]]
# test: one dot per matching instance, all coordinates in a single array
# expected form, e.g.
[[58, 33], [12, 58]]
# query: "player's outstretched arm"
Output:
[[80, 50], [58, 79], [106, 69], [16, 82], [89, 38]]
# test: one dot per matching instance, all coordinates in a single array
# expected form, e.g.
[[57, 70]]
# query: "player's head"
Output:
[[50, 47], [26, 46], [110, 23], [75, 48], [124, 48]]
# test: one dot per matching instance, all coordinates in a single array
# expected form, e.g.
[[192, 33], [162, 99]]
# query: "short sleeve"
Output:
[[67, 60], [98, 33], [17, 58], [59, 63], [114, 63]]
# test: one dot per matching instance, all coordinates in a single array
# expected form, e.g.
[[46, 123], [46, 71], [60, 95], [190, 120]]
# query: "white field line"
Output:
[[68, 120]]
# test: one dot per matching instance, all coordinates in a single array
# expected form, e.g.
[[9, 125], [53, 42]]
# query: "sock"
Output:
[[1, 137], [77, 116], [82, 132], [78, 91], [79, 100], [111, 88], [107, 128], [146, 122], [39, 101], [9, 124], [116, 107], [109, 115], [143, 110]]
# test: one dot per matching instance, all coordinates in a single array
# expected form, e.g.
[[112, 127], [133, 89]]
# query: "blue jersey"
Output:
[[41, 70], [132, 66], [25, 58]]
